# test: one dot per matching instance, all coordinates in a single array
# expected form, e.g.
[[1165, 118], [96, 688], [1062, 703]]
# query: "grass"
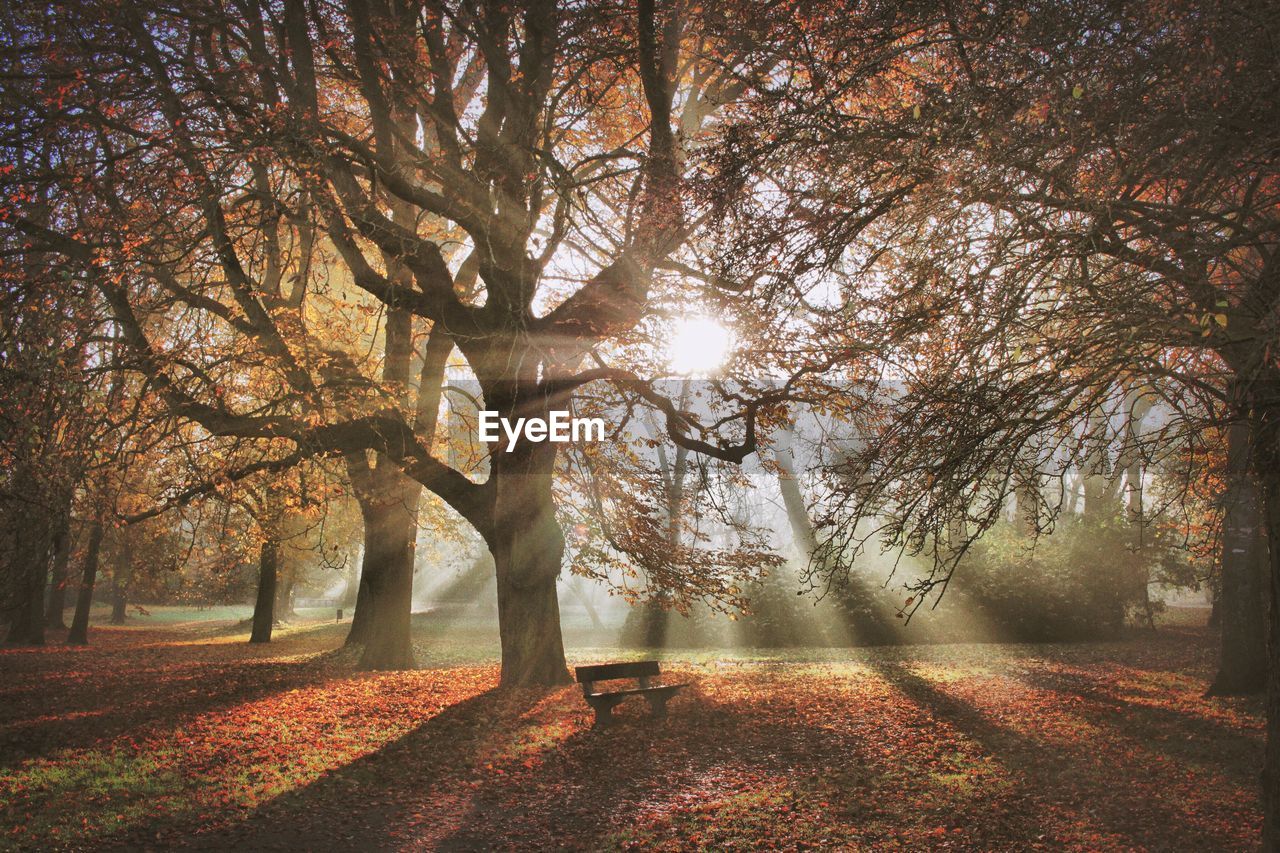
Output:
[[173, 731]]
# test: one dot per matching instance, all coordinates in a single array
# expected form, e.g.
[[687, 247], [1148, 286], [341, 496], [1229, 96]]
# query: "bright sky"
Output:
[[698, 346]]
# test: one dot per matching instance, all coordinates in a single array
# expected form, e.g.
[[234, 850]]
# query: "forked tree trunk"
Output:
[[382, 622], [528, 547], [264, 606], [1242, 666], [79, 635]]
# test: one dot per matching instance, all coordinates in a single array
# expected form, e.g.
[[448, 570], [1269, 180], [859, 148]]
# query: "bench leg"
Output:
[[603, 706], [658, 704]]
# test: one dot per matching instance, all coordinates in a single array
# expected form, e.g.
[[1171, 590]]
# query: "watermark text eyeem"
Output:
[[558, 427]]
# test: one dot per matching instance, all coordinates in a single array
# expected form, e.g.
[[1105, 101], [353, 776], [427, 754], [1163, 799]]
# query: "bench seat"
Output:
[[604, 701], [636, 691]]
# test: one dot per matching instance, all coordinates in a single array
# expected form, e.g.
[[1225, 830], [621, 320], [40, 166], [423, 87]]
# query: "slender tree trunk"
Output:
[[1130, 464], [283, 610], [264, 607], [528, 547], [1027, 503], [55, 613], [656, 617], [866, 620], [79, 635], [793, 501], [119, 600], [585, 599], [120, 577], [1242, 665], [352, 589]]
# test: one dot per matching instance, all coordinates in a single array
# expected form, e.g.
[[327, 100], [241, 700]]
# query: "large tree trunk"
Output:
[[1271, 771], [528, 547], [1242, 667], [264, 607], [362, 609], [79, 635], [1266, 457], [55, 613], [384, 604]]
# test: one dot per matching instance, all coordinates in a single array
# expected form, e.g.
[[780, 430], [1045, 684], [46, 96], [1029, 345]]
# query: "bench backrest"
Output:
[[607, 671]]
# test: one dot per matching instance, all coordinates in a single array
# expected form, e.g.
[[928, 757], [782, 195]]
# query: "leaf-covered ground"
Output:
[[174, 736]]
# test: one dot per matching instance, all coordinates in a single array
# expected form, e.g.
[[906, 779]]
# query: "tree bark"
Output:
[[362, 610], [264, 607], [55, 613], [120, 576], [119, 599], [657, 619], [1266, 460], [285, 581], [528, 547], [1271, 771], [31, 559], [79, 635], [382, 621], [1242, 665]]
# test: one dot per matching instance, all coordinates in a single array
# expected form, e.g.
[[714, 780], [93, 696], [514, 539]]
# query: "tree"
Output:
[[215, 134], [1242, 664], [1097, 210]]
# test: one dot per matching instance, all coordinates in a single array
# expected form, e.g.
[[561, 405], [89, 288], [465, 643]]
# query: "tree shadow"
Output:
[[502, 767], [366, 803], [1180, 735], [889, 754], [77, 698], [1077, 778]]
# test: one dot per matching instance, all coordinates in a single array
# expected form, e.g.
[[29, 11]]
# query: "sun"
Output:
[[698, 346]]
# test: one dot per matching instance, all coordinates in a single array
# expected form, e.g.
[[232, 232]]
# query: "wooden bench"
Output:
[[604, 701]]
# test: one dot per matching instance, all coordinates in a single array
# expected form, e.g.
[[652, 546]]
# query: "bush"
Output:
[[1078, 582]]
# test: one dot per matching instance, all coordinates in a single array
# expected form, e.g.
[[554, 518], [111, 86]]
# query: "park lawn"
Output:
[[180, 735]]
